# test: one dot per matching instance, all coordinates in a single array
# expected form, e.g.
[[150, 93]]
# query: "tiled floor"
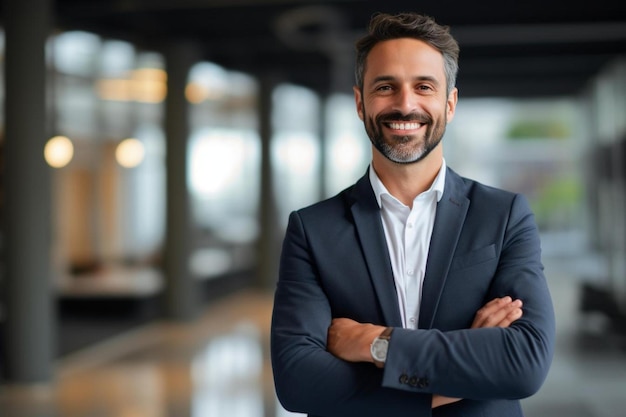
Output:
[[218, 366], [215, 366]]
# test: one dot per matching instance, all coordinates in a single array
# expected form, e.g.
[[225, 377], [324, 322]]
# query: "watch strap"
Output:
[[386, 334]]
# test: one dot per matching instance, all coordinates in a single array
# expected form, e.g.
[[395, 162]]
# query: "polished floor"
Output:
[[217, 366]]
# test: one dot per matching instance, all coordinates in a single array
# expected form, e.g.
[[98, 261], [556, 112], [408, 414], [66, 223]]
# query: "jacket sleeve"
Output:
[[308, 378], [487, 363]]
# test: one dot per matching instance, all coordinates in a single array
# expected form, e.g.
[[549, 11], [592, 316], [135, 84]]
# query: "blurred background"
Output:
[[151, 151]]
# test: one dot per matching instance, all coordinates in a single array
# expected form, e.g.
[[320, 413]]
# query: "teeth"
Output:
[[404, 126]]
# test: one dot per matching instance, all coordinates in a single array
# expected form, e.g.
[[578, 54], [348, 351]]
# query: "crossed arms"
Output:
[[321, 362], [350, 340]]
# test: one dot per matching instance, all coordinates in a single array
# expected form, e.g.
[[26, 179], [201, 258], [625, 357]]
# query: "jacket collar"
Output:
[[369, 227], [449, 220], [450, 216]]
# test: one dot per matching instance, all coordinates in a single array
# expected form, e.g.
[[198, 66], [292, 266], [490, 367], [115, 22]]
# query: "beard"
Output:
[[405, 149]]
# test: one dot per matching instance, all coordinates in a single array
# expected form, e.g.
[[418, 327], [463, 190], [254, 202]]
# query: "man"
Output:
[[403, 294]]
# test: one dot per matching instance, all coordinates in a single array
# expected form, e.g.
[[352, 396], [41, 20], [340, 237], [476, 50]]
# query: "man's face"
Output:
[[404, 104]]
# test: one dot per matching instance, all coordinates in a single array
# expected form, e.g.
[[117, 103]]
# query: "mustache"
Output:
[[399, 117]]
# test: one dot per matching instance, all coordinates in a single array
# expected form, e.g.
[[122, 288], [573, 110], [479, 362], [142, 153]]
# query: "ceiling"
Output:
[[508, 48]]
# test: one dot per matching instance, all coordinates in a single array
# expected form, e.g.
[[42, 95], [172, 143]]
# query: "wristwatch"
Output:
[[379, 347]]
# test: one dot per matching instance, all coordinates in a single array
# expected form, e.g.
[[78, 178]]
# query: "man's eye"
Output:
[[383, 88]]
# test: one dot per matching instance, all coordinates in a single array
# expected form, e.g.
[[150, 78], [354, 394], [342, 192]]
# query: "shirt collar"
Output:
[[437, 186]]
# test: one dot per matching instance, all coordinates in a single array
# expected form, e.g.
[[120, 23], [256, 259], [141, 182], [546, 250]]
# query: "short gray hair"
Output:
[[384, 27]]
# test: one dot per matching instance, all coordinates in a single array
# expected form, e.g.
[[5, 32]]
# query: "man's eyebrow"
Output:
[[383, 78], [386, 78], [428, 78]]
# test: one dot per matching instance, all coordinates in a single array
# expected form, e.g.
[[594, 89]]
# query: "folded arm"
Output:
[[486, 363], [351, 341]]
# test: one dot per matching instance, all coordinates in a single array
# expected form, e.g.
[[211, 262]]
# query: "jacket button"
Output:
[[413, 381], [423, 383], [404, 379]]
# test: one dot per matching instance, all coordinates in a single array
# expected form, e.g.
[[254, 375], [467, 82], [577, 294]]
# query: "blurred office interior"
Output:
[[151, 151]]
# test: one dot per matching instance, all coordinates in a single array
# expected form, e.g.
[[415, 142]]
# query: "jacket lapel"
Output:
[[450, 216], [371, 235]]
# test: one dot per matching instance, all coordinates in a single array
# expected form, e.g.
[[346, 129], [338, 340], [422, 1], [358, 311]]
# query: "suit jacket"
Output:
[[335, 263]]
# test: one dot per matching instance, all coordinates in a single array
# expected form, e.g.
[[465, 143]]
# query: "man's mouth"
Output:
[[404, 125]]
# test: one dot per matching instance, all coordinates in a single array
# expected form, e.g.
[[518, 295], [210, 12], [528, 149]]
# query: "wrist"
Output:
[[380, 346]]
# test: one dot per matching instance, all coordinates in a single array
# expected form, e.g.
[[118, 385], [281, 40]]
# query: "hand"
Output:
[[499, 312], [350, 340]]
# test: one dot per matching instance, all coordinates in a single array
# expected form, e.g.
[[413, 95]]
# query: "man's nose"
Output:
[[406, 100]]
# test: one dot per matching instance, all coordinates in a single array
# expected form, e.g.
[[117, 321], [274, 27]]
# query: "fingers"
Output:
[[439, 400], [499, 312]]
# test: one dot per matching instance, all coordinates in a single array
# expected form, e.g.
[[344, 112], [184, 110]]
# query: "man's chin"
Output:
[[404, 159]]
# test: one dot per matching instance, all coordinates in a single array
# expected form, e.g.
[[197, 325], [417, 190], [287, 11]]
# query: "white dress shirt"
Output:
[[408, 231]]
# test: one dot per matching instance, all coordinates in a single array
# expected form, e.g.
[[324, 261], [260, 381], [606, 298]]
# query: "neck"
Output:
[[407, 181]]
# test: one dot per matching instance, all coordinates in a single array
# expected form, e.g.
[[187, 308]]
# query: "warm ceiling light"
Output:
[[149, 85], [115, 89], [151, 74], [196, 93], [58, 151], [130, 153], [144, 85]]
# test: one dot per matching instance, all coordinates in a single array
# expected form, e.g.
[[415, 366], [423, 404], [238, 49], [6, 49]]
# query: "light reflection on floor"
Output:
[[227, 375], [214, 367]]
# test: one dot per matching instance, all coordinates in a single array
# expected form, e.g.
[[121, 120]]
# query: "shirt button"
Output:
[[409, 272], [410, 225]]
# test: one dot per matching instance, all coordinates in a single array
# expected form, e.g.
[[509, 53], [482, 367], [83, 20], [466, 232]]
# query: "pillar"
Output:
[[323, 141], [29, 325], [181, 295], [268, 246]]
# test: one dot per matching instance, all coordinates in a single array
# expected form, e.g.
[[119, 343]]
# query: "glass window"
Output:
[[348, 147], [295, 148], [76, 53], [223, 175], [224, 168]]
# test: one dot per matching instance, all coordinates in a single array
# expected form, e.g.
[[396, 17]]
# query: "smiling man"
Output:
[[415, 291], [413, 108]]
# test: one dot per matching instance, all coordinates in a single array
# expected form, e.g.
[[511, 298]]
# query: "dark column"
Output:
[[180, 288], [323, 141], [29, 314], [269, 242]]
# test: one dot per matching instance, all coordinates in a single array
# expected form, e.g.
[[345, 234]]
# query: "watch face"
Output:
[[379, 349]]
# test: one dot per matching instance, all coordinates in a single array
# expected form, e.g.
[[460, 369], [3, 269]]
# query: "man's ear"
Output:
[[453, 97], [358, 99]]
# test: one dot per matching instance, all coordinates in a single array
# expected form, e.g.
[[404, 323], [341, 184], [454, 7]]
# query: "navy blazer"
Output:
[[335, 263]]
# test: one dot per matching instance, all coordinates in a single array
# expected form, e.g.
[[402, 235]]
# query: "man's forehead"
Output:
[[396, 54]]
